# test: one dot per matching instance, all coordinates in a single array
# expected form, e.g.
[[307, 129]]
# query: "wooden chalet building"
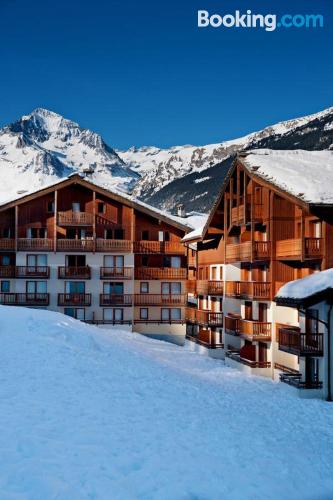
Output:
[[272, 223], [94, 254]]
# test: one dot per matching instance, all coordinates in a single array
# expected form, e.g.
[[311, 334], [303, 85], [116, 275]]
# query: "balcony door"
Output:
[[248, 310], [173, 288], [75, 260], [34, 287], [75, 287], [262, 312], [113, 288], [114, 261], [35, 260], [76, 207]]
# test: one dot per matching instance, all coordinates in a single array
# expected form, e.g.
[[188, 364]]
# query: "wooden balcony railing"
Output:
[[160, 273], [113, 245], [169, 247], [209, 287], [32, 272], [81, 272], [238, 215], [207, 338], [231, 325], [254, 290], [301, 344], [152, 299], [74, 299], [24, 299], [116, 273], [255, 330], [295, 380], [7, 271], [67, 245], [244, 252], [110, 299], [42, 244], [201, 317], [70, 218], [236, 356], [292, 248], [7, 244]]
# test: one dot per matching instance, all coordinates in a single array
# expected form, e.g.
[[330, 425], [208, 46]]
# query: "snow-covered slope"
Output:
[[188, 174], [87, 414], [43, 147]]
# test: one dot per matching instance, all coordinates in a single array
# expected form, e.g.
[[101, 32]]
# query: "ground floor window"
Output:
[[171, 314], [5, 286], [113, 314], [144, 313], [75, 312]]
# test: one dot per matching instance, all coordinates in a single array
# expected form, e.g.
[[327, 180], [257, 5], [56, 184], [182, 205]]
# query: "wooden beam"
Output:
[[55, 210], [94, 221], [16, 227]]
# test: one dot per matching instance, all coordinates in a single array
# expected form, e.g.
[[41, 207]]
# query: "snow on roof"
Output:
[[188, 223], [196, 233], [306, 287], [308, 175]]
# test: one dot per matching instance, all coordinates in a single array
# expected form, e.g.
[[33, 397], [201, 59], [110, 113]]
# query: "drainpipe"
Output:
[[329, 354]]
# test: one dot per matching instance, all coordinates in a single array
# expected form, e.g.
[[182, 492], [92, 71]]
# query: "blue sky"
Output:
[[141, 72]]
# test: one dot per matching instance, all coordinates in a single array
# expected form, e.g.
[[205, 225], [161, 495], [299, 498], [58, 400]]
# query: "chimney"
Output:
[[87, 171], [181, 210]]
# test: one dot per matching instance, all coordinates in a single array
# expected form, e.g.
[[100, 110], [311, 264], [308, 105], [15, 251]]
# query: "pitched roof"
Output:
[[312, 288], [118, 196]]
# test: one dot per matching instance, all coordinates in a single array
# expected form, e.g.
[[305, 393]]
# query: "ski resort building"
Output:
[[94, 254], [271, 224]]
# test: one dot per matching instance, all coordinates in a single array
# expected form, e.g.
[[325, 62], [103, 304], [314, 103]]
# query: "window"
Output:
[[144, 260], [75, 260], [173, 314], [166, 236], [114, 261], [171, 288], [36, 286], [145, 235], [176, 262], [144, 287], [5, 260], [160, 236], [114, 315], [75, 287], [214, 273], [75, 313], [35, 232], [108, 234], [5, 286], [113, 288], [76, 207], [101, 208], [144, 313], [50, 207], [7, 232], [118, 234], [35, 260]]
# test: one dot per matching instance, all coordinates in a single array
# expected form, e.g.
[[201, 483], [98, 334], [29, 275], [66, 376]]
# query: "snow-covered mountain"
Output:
[[193, 174], [43, 147]]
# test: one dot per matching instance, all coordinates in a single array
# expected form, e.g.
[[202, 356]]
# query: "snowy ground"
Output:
[[87, 414]]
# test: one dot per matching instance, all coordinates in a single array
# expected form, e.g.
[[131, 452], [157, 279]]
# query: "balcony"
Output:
[[209, 287], [159, 247], [291, 249], [295, 379], [70, 218], [32, 244], [237, 356], [7, 244], [7, 271], [82, 272], [110, 299], [201, 317], [74, 299], [300, 344], [248, 252], [113, 245], [252, 290], [255, 330], [160, 273], [152, 299], [116, 273], [206, 338], [68, 245], [32, 272], [24, 299], [231, 325]]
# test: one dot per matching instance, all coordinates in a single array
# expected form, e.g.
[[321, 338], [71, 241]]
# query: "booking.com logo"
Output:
[[270, 22]]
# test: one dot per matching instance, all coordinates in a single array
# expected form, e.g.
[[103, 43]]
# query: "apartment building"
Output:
[[95, 255], [271, 224]]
